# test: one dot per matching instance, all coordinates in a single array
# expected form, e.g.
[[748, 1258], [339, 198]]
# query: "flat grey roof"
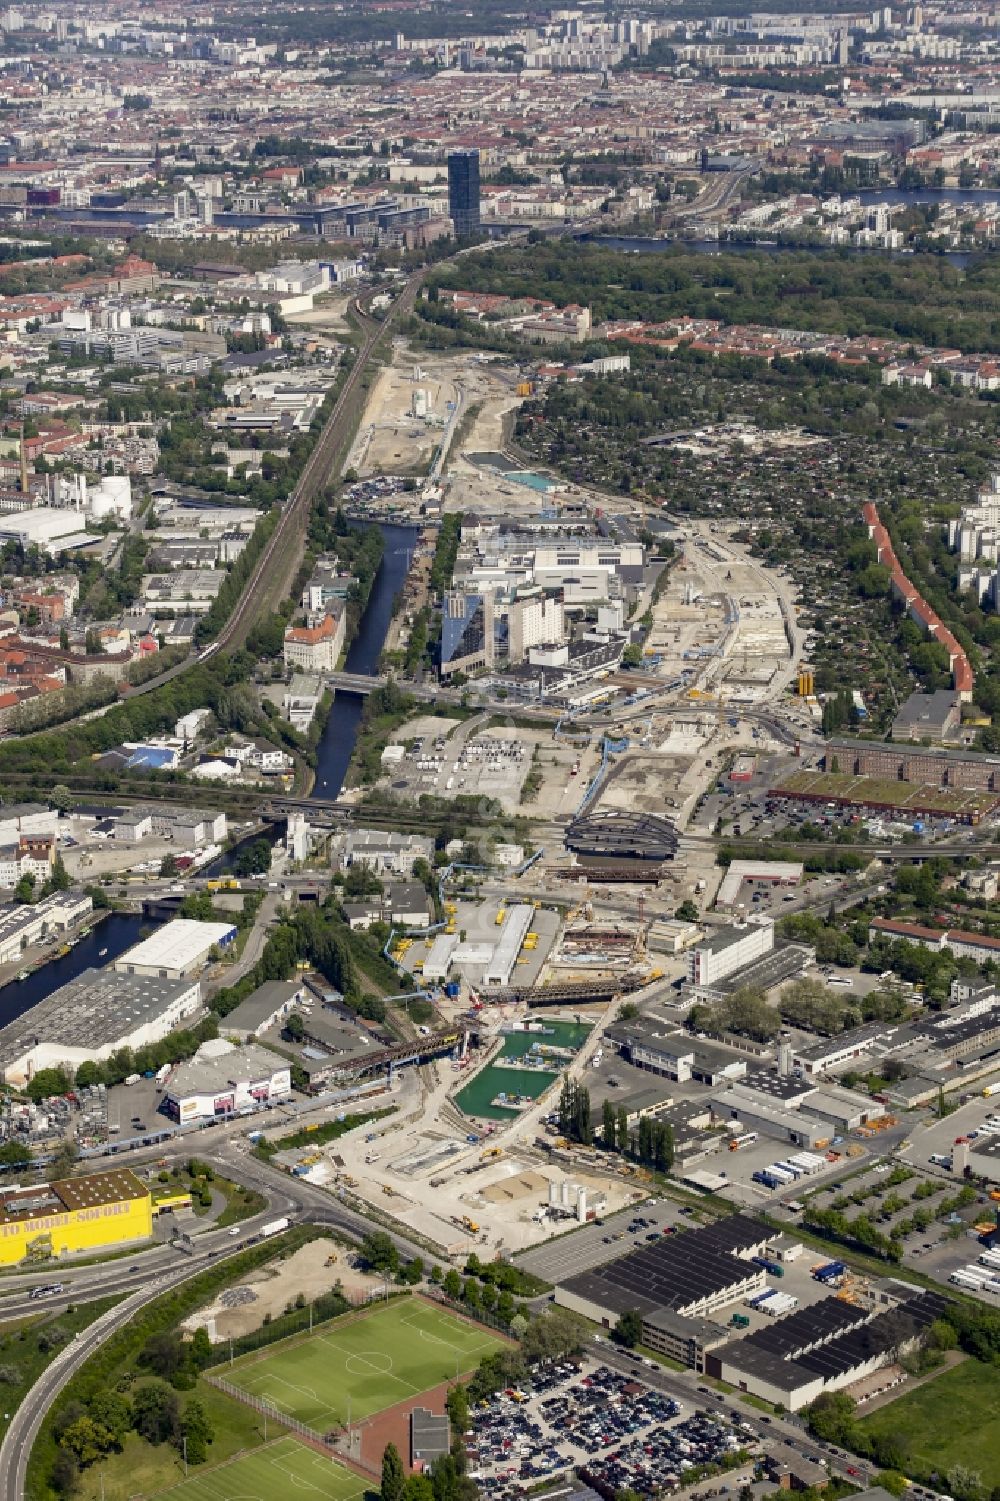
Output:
[[95, 1010], [261, 1004]]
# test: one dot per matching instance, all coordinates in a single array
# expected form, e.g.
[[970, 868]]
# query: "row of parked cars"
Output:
[[659, 1461]]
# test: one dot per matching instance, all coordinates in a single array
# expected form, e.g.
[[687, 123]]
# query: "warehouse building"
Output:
[[92, 1213], [823, 1347], [692, 1274], [269, 1004], [771, 1119], [728, 949], [92, 1016], [983, 1158], [22, 924], [175, 950], [216, 1082]]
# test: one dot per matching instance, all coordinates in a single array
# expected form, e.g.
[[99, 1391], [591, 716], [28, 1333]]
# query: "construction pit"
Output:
[[421, 396]]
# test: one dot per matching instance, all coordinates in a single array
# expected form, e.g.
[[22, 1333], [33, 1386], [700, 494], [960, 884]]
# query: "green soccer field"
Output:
[[348, 1371], [278, 1469]]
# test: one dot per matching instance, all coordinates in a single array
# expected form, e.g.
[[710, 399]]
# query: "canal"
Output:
[[115, 933], [336, 746], [503, 1077]]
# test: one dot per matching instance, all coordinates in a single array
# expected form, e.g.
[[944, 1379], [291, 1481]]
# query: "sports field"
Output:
[[275, 1470], [389, 1354]]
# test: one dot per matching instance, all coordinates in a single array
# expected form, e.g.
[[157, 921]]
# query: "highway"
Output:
[[151, 1273]]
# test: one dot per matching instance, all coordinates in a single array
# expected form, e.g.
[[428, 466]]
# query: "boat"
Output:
[[101, 953], [24, 974], [63, 950]]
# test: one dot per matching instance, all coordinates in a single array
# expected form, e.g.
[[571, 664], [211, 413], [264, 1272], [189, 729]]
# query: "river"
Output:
[[116, 933], [336, 746]]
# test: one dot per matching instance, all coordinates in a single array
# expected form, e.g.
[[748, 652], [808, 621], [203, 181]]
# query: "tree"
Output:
[[457, 1407], [65, 1472], [452, 1283], [608, 1125], [418, 1488], [156, 1413], [687, 911], [378, 1253], [628, 1330], [168, 867], [47, 1082], [24, 891], [831, 1418], [87, 1440], [196, 1431], [112, 1412], [165, 1354], [393, 1478], [295, 1027], [891, 1481], [88, 1074]]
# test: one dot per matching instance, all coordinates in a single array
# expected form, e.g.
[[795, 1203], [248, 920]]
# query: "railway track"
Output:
[[314, 475]]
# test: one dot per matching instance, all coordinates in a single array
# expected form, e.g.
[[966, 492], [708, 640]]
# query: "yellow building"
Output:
[[75, 1214]]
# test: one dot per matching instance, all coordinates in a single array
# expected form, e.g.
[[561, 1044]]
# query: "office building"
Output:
[[463, 192], [466, 632], [727, 949]]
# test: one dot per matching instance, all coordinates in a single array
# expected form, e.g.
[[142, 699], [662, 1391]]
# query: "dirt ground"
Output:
[[305, 1271]]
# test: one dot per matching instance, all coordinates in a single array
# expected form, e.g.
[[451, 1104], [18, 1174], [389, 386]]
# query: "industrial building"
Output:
[[728, 949], [90, 1017], [652, 1043], [693, 1275], [823, 1347], [90, 1213], [175, 950], [222, 1080], [22, 925]]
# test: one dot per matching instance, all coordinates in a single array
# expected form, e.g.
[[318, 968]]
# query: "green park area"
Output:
[[953, 1420]]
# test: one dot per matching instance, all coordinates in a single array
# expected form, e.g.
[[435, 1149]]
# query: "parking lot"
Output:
[[593, 1245], [618, 1432]]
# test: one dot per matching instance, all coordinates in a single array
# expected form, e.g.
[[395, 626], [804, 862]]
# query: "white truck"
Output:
[[274, 1227]]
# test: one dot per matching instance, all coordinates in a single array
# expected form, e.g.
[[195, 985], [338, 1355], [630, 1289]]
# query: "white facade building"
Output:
[[728, 949]]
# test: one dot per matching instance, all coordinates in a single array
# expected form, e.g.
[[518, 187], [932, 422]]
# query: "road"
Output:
[[152, 1273]]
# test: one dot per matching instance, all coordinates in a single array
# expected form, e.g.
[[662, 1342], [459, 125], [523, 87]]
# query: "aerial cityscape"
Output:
[[499, 751]]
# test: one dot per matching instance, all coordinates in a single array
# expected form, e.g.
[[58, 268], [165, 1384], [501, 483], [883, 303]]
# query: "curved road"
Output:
[[301, 1201]]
